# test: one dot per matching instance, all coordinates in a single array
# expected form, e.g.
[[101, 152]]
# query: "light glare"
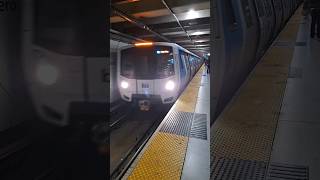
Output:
[[144, 44], [47, 74], [124, 84], [192, 14], [197, 33], [169, 85], [163, 52]]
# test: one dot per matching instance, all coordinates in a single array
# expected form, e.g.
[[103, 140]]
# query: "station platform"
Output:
[[179, 148], [271, 127]]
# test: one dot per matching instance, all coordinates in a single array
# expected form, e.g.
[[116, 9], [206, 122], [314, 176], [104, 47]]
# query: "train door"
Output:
[[278, 16], [191, 66], [199, 62], [191, 60], [194, 64], [183, 69], [292, 5], [284, 4], [286, 11], [270, 20], [186, 59], [249, 28], [262, 29]]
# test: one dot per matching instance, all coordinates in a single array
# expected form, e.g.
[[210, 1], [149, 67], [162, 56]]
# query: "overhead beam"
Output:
[[165, 29], [152, 5], [138, 23], [178, 39], [180, 34], [116, 35], [174, 15], [164, 25]]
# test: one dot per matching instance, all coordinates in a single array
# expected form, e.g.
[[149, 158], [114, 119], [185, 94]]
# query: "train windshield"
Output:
[[150, 62]]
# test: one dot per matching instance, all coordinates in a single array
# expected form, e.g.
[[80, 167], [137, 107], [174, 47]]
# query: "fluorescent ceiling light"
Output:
[[144, 44], [192, 14], [197, 33], [200, 45]]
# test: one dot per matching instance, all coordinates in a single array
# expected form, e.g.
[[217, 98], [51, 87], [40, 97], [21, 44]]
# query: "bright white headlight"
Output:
[[47, 74], [124, 84], [170, 85]]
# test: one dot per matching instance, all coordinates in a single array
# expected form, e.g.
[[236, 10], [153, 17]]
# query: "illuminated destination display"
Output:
[[163, 52]]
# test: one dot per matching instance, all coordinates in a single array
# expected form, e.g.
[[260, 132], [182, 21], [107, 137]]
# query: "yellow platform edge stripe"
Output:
[[246, 128], [165, 153], [163, 159], [188, 99]]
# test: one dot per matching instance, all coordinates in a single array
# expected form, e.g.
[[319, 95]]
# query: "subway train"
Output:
[[154, 73], [242, 32]]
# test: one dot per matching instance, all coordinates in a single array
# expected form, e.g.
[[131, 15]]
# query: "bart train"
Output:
[[242, 32], [154, 73]]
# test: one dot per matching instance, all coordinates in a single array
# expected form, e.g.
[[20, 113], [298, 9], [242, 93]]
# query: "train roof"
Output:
[[168, 44], [180, 47]]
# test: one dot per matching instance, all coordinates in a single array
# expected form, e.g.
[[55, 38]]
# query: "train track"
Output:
[[120, 115], [118, 112]]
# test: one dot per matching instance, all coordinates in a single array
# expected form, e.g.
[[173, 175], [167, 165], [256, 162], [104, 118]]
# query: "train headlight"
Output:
[[47, 74], [124, 84], [170, 85]]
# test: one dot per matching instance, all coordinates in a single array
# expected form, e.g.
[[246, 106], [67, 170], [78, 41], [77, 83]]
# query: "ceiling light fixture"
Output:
[[192, 14], [197, 33], [144, 44]]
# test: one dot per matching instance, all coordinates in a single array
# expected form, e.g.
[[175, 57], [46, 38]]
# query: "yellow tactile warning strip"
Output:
[[187, 100], [245, 130], [164, 156]]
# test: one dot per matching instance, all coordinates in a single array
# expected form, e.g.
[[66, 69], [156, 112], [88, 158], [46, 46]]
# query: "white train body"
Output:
[[62, 85], [65, 68], [156, 72]]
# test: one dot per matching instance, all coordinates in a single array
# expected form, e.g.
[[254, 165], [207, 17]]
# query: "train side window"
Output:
[[268, 8], [186, 58], [260, 9], [182, 61], [279, 5], [276, 5], [191, 60], [230, 13], [247, 12]]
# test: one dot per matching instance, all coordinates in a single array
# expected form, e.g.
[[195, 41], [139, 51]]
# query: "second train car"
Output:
[[154, 72], [243, 31]]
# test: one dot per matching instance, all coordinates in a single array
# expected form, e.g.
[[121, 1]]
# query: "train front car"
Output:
[[67, 78], [147, 74]]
